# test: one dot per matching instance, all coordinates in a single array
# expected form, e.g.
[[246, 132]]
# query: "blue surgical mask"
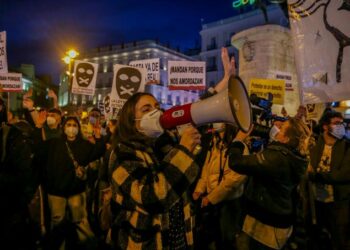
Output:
[[92, 120], [338, 131]]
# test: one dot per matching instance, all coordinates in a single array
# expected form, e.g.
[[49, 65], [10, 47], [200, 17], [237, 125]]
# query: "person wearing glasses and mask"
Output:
[[330, 172], [154, 208]]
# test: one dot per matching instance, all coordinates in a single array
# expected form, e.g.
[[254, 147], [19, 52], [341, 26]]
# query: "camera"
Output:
[[263, 120], [261, 109]]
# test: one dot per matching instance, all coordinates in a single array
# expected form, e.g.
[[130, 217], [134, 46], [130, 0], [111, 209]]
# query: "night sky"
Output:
[[39, 32]]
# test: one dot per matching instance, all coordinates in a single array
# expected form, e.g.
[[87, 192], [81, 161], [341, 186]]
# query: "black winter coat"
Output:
[[59, 176], [17, 175], [274, 174], [339, 176]]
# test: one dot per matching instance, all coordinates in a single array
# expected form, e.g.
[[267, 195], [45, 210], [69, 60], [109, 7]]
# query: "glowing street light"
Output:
[[69, 59], [66, 59], [72, 53]]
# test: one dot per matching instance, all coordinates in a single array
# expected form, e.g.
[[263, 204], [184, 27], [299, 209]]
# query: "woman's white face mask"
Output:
[[150, 125], [273, 132], [71, 131]]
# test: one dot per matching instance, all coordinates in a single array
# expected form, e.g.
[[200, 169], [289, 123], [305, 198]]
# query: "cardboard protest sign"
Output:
[[261, 87], [107, 108], [126, 82], [152, 69], [186, 75], [11, 82], [84, 80], [321, 35], [3, 55]]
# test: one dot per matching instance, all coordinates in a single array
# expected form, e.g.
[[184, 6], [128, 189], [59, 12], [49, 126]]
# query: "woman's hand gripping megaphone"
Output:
[[190, 138]]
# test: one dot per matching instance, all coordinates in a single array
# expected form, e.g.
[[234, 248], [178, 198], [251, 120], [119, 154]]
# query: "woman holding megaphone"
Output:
[[150, 192], [154, 211]]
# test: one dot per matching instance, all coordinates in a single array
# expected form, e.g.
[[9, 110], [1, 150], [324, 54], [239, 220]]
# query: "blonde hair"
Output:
[[299, 136]]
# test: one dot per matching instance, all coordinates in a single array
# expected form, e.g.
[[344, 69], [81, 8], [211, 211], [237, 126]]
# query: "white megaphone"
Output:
[[231, 105]]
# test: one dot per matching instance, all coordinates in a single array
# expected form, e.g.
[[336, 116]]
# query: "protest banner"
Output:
[[314, 111], [186, 75], [84, 80], [11, 82], [152, 69], [261, 87], [101, 107], [107, 109], [126, 82], [3, 56], [321, 39]]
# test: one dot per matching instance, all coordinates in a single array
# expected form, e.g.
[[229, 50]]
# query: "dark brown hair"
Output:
[[327, 116], [113, 121], [126, 122]]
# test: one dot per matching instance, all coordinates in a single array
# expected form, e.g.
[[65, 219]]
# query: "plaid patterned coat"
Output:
[[146, 188]]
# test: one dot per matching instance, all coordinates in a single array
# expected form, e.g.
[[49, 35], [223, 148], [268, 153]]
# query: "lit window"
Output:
[[65, 99], [83, 99]]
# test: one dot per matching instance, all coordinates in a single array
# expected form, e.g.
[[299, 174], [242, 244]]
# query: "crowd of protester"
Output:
[[83, 182]]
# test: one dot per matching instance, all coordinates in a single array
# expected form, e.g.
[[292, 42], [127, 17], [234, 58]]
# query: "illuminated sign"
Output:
[[241, 3]]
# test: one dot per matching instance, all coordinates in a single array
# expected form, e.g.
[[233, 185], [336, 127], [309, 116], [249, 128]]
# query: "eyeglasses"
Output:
[[339, 123]]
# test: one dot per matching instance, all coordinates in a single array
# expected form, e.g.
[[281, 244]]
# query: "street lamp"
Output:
[[69, 59], [72, 53]]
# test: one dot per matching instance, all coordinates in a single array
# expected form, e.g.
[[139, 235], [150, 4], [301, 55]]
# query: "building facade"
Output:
[[218, 34], [107, 56]]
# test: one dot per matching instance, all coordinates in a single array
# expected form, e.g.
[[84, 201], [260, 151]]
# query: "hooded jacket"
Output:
[[274, 174]]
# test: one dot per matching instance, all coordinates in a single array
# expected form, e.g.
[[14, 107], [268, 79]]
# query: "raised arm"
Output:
[[53, 95], [229, 69]]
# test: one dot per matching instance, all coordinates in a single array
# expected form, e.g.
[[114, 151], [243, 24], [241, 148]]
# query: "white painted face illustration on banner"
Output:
[[85, 73], [128, 82]]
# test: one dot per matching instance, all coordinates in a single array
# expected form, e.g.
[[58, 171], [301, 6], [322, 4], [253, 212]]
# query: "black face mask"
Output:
[[85, 73], [128, 82]]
